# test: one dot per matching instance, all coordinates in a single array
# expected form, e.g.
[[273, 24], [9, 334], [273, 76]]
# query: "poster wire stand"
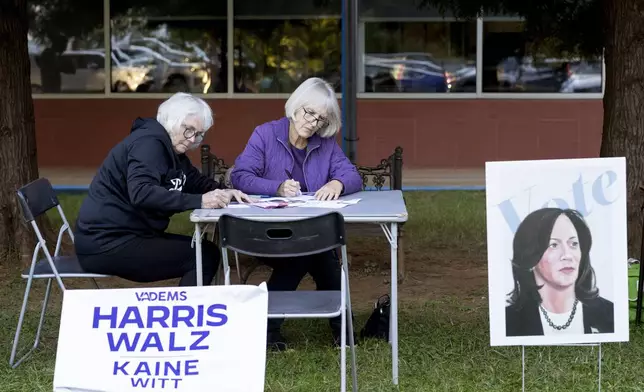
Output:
[[599, 362]]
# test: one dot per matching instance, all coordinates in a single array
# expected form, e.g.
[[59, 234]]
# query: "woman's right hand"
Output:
[[215, 199], [289, 188]]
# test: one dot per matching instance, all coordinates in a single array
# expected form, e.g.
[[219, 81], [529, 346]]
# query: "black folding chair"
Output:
[[36, 198], [294, 239]]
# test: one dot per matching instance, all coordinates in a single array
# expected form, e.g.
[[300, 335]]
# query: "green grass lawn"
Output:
[[444, 336]]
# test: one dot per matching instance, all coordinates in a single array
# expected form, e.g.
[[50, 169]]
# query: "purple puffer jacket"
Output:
[[261, 168]]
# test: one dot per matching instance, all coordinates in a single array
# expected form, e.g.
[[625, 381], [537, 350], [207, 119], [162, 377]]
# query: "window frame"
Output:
[[230, 94]]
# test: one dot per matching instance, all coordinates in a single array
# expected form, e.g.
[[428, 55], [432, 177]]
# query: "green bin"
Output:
[[633, 275]]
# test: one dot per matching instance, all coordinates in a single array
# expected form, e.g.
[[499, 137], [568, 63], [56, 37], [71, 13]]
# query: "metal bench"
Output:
[[386, 175], [214, 167]]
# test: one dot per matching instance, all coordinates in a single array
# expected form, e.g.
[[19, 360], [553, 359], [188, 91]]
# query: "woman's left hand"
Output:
[[330, 191]]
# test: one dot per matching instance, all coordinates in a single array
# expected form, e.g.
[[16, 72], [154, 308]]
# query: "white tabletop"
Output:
[[374, 207]]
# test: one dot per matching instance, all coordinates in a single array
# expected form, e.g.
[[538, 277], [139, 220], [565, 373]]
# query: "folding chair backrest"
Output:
[[282, 239], [36, 198]]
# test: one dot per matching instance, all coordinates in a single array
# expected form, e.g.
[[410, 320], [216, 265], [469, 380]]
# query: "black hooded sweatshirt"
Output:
[[138, 187]]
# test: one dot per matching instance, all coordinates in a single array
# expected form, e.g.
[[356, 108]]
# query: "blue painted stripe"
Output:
[[437, 188], [70, 188]]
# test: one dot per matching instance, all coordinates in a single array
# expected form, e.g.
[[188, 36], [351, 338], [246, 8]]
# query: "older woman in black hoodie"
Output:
[[144, 180]]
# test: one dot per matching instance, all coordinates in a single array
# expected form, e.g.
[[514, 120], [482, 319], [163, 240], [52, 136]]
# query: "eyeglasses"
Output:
[[192, 132], [311, 118]]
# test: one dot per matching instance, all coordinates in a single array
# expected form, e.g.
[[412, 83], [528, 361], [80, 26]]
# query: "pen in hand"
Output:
[[290, 177]]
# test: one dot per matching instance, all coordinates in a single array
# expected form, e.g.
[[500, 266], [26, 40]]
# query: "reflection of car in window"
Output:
[[378, 79], [462, 79], [89, 72], [540, 74], [582, 83], [404, 72], [172, 51], [583, 77], [173, 73]]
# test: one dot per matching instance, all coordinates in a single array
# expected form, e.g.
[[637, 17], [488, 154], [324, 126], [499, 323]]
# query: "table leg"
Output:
[[198, 254], [392, 237]]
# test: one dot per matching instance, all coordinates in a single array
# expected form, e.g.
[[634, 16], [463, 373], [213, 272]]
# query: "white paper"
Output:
[[324, 204], [288, 199]]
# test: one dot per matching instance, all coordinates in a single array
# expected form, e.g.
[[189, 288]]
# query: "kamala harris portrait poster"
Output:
[[557, 251]]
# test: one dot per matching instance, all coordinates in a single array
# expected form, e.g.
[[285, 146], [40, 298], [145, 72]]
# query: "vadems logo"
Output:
[[161, 296]]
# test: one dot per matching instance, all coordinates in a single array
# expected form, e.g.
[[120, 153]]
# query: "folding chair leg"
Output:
[[42, 312], [352, 344], [223, 268], [347, 312], [343, 353], [226, 270], [12, 362]]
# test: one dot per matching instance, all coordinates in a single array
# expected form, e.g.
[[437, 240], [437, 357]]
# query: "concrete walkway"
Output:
[[411, 177]]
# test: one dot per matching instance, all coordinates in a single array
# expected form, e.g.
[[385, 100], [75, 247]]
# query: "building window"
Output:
[[403, 47], [513, 64], [277, 48], [419, 57], [66, 48], [161, 50]]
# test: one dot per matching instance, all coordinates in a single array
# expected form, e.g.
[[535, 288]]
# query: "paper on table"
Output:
[[302, 201], [324, 204], [238, 206], [289, 199], [330, 203], [282, 202], [272, 204]]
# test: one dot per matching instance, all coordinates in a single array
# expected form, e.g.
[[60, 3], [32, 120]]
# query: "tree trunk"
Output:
[[623, 132], [17, 124]]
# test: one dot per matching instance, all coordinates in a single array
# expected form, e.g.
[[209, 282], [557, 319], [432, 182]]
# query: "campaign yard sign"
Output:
[[207, 338], [557, 251]]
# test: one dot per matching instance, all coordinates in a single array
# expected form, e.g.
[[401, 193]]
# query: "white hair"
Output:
[[173, 112], [316, 92]]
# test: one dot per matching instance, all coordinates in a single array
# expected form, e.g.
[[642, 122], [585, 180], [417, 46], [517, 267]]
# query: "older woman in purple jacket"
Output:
[[298, 153]]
